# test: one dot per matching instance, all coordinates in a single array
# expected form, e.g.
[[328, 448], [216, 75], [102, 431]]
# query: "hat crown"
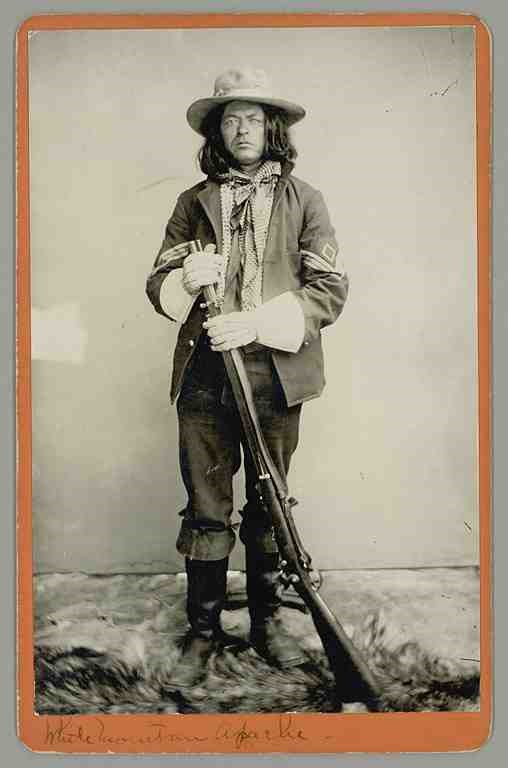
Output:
[[234, 80]]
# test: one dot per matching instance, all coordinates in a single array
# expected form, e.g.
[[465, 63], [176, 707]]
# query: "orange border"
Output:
[[310, 733]]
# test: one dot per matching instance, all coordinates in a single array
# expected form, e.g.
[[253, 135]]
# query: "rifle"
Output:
[[354, 680]]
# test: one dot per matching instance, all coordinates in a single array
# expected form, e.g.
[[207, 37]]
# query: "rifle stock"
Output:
[[354, 680]]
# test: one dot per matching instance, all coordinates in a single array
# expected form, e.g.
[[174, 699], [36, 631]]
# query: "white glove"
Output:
[[202, 268]]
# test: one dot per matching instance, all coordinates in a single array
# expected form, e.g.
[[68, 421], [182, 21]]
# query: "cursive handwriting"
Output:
[[243, 734], [65, 731]]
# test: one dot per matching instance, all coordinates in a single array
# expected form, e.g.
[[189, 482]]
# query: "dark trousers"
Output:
[[211, 440]]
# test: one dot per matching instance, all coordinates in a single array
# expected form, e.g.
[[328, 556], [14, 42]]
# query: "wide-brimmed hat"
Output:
[[241, 84]]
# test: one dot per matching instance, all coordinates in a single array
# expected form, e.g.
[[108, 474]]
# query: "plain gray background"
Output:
[[386, 467], [13, 752]]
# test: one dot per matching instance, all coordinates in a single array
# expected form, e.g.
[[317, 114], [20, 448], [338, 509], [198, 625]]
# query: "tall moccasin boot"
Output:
[[206, 593], [268, 635]]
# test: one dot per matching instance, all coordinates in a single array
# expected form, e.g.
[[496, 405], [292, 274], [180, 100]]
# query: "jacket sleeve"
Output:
[[169, 257], [324, 282]]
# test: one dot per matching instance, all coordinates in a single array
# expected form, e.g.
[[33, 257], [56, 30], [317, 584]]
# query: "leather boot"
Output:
[[268, 635], [206, 592]]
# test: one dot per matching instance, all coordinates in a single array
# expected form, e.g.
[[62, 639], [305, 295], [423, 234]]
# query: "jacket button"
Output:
[[191, 342]]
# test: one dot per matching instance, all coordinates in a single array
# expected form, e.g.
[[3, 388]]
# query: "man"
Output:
[[271, 252]]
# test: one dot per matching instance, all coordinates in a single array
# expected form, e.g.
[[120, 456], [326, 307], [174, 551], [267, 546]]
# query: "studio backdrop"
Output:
[[386, 469]]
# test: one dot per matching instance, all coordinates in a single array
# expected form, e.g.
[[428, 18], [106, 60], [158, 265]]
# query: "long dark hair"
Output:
[[213, 157]]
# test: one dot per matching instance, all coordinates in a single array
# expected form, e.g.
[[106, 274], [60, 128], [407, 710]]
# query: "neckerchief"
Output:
[[246, 203]]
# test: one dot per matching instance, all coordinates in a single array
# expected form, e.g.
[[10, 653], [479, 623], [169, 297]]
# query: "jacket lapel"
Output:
[[209, 197], [287, 167], [271, 253]]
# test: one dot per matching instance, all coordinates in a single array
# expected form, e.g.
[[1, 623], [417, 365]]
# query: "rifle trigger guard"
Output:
[[284, 579]]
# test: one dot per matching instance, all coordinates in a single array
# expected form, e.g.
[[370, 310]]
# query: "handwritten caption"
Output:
[[66, 731]]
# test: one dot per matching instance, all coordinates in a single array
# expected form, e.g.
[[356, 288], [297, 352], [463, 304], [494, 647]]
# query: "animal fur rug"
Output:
[[113, 652]]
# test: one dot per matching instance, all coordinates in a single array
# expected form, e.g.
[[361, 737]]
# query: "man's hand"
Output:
[[231, 331], [202, 268]]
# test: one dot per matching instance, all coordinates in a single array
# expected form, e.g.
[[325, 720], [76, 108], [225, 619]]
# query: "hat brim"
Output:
[[199, 109]]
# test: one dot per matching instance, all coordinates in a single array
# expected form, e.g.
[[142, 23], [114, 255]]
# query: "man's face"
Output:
[[243, 131]]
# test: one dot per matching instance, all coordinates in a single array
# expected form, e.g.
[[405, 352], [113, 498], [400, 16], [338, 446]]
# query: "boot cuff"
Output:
[[202, 544]]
